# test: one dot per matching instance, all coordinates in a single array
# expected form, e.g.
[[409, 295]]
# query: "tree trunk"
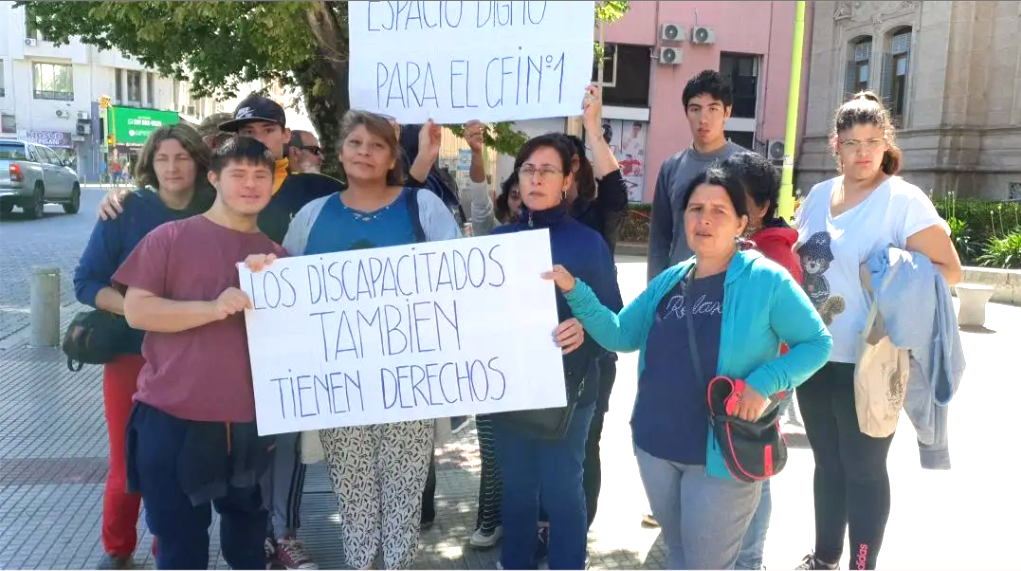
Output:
[[324, 83]]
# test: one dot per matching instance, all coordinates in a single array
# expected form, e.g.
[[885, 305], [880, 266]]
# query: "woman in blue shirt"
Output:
[[529, 463], [379, 471], [171, 172], [742, 305]]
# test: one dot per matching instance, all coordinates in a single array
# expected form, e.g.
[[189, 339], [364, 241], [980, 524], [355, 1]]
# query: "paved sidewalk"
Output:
[[53, 465]]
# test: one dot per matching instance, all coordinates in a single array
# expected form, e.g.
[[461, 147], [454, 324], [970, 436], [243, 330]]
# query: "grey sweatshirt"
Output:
[[667, 243]]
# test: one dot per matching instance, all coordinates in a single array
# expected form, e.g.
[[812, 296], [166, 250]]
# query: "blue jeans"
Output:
[[703, 518], [754, 543], [530, 465], [180, 527]]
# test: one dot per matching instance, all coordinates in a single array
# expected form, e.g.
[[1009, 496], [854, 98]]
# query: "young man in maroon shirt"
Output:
[[192, 438]]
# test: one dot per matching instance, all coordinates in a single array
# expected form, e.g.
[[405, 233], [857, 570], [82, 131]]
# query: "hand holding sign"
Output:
[[429, 140], [592, 108], [560, 276], [256, 262], [570, 335], [473, 134], [231, 301]]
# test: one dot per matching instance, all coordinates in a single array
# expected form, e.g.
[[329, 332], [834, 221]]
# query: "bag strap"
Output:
[[696, 361], [411, 200], [71, 366]]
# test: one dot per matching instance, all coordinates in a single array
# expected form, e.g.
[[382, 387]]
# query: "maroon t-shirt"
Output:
[[204, 373]]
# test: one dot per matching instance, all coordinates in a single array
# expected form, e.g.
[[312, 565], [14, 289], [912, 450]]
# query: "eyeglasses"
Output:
[[317, 151], [868, 144], [529, 172]]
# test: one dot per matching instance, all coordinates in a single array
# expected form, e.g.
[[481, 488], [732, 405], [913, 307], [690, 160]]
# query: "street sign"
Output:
[[133, 126]]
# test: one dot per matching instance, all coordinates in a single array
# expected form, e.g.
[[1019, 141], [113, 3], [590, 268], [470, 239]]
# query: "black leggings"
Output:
[[852, 485]]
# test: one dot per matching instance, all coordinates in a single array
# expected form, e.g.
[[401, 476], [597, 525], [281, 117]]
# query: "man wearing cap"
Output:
[[263, 119]]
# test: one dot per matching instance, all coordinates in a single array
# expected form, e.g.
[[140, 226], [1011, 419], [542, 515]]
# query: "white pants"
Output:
[[378, 473]]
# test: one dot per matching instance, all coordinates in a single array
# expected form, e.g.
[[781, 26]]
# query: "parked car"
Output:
[[32, 175]]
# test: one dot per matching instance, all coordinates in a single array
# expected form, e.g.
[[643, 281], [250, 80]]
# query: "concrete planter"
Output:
[[1006, 284]]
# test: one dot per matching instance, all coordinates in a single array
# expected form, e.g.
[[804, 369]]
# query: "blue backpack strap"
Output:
[[411, 199]]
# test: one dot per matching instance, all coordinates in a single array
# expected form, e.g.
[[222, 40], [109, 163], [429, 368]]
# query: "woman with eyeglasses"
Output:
[[841, 223], [554, 463]]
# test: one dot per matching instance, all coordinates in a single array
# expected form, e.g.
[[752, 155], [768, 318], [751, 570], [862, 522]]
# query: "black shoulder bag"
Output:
[[544, 423], [753, 451], [93, 337]]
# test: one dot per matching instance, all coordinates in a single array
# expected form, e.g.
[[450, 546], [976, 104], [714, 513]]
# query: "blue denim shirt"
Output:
[[918, 311]]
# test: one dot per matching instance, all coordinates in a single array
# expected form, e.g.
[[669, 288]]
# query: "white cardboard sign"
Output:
[[404, 333], [457, 61]]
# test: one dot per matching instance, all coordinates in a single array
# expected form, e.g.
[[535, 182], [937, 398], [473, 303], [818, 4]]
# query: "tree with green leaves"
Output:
[[216, 46]]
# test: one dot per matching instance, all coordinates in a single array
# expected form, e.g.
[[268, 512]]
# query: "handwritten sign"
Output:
[[404, 333], [457, 61]]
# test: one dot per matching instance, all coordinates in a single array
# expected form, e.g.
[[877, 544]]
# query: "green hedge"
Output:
[[978, 222]]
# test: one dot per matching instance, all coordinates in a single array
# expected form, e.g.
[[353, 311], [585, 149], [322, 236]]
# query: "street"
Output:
[[53, 453]]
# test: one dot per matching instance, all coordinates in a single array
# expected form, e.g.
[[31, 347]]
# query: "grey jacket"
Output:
[[668, 244], [919, 315]]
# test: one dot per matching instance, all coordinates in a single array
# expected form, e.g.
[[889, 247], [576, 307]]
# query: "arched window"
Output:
[[896, 66], [859, 66]]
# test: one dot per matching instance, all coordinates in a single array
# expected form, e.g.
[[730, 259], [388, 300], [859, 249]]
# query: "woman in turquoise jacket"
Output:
[[742, 306]]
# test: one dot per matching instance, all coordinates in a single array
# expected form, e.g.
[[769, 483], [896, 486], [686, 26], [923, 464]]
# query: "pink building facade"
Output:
[[645, 73]]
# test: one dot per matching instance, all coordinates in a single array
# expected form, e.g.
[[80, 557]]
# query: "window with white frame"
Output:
[[859, 66], [52, 81], [134, 81]]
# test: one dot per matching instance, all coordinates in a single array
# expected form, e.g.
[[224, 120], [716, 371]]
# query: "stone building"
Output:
[[951, 73]]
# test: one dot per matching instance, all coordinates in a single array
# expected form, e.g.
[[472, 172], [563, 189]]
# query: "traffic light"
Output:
[[109, 140], [104, 101]]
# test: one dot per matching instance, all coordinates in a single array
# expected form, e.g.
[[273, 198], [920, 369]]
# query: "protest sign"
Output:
[[457, 61], [430, 330]]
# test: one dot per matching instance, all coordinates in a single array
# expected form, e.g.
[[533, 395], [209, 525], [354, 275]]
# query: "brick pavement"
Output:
[[53, 459], [57, 240]]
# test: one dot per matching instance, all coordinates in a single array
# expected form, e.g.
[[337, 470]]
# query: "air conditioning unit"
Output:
[[83, 128], [32, 42], [703, 35], [671, 33], [775, 149], [83, 115], [63, 113], [670, 56]]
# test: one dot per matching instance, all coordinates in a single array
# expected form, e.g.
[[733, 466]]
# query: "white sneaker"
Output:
[[482, 541], [649, 520]]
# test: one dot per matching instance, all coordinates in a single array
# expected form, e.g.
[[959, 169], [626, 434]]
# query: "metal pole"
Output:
[[786, 207], [45, 307], [602, 62]]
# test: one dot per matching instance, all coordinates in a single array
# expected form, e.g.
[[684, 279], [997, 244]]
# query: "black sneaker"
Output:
[[811, 562], [542, 546], [115, 562]]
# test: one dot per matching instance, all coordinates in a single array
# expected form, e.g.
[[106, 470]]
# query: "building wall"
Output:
[[961, 130], [93, 74], [764, 29]]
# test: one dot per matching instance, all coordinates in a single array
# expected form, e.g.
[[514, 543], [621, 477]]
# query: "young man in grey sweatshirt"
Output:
[[708, 101]]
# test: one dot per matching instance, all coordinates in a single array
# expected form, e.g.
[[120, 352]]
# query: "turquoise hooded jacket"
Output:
[[762, 305]]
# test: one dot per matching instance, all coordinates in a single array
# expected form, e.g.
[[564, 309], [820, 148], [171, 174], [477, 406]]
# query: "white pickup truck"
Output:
[[32, 175]]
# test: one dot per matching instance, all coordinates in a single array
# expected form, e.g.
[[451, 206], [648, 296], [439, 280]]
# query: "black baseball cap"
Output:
[[255, 108]]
